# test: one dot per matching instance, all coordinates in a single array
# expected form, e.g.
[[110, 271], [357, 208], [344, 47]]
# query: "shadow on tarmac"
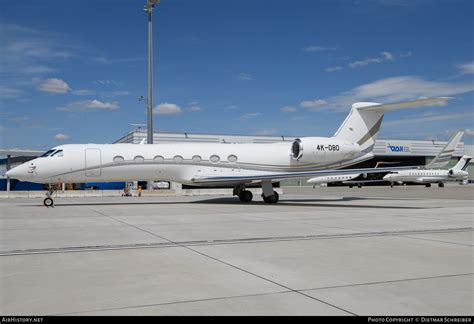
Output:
[[305, 202]]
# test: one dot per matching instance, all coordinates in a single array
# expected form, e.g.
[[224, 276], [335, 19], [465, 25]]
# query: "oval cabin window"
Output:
[[214, 158], [158, 158], [139, 159], [232, 158], [178, 158], [197, 158], [118, 159]]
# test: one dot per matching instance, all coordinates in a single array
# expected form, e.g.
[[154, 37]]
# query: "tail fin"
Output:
[[363, 123], [463, 163], [446, 153]]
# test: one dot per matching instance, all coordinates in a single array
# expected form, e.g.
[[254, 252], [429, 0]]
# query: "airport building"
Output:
[[391, 152]]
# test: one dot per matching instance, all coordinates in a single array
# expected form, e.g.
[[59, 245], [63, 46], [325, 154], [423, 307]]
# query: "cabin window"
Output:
[[48, 153], [197, 158], [58, 153], [118, 159], [178, 158], [232, 158], [158, 159], [139, 159], [214, 158]]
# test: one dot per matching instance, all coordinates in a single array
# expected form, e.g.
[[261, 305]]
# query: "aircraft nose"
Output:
[[16, 173], [387, 177]]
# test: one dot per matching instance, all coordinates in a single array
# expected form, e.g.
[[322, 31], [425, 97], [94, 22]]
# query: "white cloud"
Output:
[[61, 137], [89, 105], [407, 54], [388, 56], [250, 115], [334, 68], [7, 92], [28, 51], [316, 48], [244, 77], [83, 92], [313, 104], [365, 62], [53, 85], [167, 109], [288, 109], [194, 108], [467, 68]]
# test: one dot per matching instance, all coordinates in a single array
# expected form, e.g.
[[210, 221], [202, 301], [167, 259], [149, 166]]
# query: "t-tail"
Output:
[[443, 157], [463, 163], [363, 123]]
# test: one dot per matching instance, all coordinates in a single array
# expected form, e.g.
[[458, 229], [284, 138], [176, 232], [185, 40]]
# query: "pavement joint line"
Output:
[[269, 280], [433, 240], [220, 242], [176, 302], [390, 281], [234, 266]]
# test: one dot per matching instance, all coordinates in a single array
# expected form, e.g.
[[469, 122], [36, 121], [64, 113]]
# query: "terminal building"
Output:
[[393, 152]]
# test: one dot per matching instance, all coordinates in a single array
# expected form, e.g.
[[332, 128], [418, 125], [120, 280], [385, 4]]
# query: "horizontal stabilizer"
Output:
[[403, 104]]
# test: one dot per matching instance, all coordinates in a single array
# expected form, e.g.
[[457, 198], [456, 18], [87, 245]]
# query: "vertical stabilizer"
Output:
[[463, 163], [443, 157]]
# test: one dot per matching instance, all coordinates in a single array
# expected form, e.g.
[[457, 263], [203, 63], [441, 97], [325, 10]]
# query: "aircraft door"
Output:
[[93, 163]]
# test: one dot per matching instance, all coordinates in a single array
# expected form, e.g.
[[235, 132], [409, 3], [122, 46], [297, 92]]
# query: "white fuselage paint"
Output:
[[424, 176], [180, 162], [334, 178]]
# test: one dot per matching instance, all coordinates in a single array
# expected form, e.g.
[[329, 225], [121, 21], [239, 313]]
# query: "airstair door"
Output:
[[93, 163]]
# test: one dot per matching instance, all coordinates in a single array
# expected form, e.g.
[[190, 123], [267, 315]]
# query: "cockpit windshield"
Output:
[[58, 153], [48, 153]]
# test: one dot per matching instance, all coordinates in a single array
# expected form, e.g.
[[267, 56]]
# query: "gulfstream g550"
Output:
[[220, 163]]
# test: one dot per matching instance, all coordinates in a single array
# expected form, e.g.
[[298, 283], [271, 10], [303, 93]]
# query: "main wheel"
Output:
[[441, 185], [273, 199], [359, 186], [48, 202], [245, 196], [428, 185]]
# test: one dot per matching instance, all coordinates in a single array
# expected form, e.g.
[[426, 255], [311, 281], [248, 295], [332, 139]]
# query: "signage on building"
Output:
[[391, 148]]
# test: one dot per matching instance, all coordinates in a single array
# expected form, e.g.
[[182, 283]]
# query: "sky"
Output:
[[73, 71]]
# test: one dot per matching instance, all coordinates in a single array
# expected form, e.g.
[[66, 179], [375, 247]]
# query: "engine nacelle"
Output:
[[322, 149], [457, 173]]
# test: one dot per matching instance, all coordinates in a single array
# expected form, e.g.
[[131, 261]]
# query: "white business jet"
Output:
[[216, 164], [429, 176]]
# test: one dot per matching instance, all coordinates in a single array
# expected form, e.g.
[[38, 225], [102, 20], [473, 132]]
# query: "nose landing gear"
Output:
[[48, 201]]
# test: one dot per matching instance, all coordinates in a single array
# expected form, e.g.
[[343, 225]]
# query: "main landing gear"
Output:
[[428, 185], [268, 194], [244, 195], [441, 185], [48, 201]]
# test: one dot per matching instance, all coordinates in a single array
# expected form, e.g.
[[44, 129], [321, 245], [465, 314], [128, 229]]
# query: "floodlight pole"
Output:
[[149, 9]]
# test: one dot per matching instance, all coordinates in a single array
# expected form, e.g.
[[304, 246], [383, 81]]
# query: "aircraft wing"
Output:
[[209, 179]]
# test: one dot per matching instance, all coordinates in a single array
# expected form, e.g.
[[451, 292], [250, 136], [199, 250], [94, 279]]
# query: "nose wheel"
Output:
[[48, 202]]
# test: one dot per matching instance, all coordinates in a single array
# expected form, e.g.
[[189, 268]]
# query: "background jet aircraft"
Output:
[[429, 176], [220, 163]]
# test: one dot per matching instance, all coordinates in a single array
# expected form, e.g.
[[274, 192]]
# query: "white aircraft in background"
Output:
[[427, 177], [442, 159], [216, 164]]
